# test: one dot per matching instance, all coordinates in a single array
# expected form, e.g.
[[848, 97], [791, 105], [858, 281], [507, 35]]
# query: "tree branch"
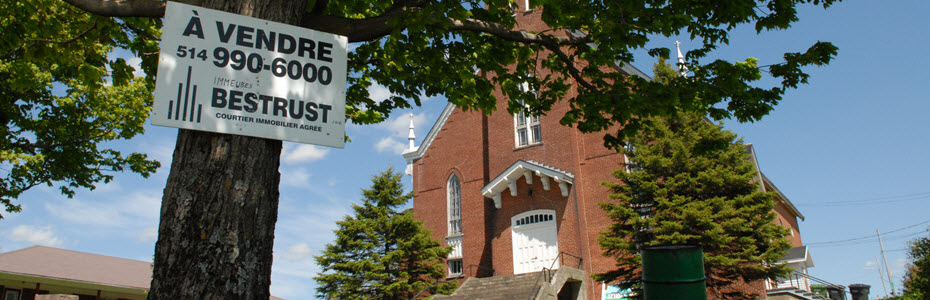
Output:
[[515, 36], [139, 31], [551, 42], [356, 30], [82, 34], [360, 30], [122, 8]]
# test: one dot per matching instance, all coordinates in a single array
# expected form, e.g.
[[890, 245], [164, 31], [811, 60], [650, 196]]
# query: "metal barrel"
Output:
[[859, 291], [836, 292], [673, 272]]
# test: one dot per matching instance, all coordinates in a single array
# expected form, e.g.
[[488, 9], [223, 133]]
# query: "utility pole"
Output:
[[880, 276], [885, 259]]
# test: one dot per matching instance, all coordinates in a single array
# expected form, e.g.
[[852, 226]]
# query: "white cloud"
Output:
[[390, 144], [132, 209], [110, 187], [295, 177], [136, 63], [399, 125], [40, 236], [298, 252], [378, 92], [149, 235], [298, 153], [398, 128]]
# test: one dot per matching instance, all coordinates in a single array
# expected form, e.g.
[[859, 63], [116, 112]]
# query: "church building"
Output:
[[518, 194]]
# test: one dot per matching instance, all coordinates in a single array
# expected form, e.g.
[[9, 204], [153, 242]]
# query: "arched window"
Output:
[[454, 195]]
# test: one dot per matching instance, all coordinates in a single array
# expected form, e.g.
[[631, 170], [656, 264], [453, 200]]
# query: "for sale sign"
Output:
[[228, 73]]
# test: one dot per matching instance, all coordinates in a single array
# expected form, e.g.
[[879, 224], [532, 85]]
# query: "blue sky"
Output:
[[848, 149]]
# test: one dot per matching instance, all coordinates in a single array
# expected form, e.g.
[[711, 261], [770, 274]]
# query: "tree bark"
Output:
[[217, 218], [220, 204]]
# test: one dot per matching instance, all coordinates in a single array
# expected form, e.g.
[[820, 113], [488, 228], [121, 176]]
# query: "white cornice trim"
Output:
[[415, 154], [526, 169]]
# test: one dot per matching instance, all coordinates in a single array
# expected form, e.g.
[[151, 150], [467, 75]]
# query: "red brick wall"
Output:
[[788, 220]]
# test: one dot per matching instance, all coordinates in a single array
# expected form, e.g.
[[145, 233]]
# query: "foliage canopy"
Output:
[[423, 48], [379, 252], [63, 96]]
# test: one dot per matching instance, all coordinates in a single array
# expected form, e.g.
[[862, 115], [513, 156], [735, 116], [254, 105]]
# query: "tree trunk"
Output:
[[217, 218], [220, 204]]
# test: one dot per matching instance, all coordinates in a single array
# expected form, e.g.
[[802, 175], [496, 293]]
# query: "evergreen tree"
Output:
[[917, 278], [692, 184], [381, 253]]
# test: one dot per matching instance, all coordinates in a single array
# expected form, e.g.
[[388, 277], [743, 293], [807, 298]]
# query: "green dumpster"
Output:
[[673, 272]]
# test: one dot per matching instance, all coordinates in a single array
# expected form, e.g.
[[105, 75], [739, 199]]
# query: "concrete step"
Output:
[[511, 287]]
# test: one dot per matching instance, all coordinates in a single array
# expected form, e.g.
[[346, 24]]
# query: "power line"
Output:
[[907, 235], [867, 238], [871, 201], [846, 240], [912, 226]]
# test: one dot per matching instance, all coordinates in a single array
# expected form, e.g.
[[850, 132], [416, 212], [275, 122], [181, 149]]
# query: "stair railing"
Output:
[[547, 273], [820, 281], [467, 270], [795, 278]]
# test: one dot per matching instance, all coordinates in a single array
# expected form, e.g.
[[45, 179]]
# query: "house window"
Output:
[[455, 205], [455, 267], [527, 6], [11, 295], [629, 149], [526, 126]]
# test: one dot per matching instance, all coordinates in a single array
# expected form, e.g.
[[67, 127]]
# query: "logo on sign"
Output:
[[175, 105]]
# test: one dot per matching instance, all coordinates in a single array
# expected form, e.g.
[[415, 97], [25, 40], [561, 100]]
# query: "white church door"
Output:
[[535, 241]]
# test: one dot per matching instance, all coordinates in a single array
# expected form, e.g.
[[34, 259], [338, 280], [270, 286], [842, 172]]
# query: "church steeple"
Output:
[[411, 136], [681, 60]]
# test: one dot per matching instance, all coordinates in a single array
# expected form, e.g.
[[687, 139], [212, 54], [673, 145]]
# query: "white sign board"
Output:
[[228, 73]]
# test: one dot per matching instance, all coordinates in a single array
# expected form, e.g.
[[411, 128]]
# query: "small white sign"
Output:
[[227, 73]]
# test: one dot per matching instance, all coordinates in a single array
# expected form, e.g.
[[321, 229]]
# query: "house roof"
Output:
[[526, 169], [54, 263], [798, 255], [81, 268]]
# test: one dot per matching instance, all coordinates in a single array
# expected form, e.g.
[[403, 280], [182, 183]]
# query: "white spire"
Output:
[[412, 148], [411, 136], [681, 60]]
